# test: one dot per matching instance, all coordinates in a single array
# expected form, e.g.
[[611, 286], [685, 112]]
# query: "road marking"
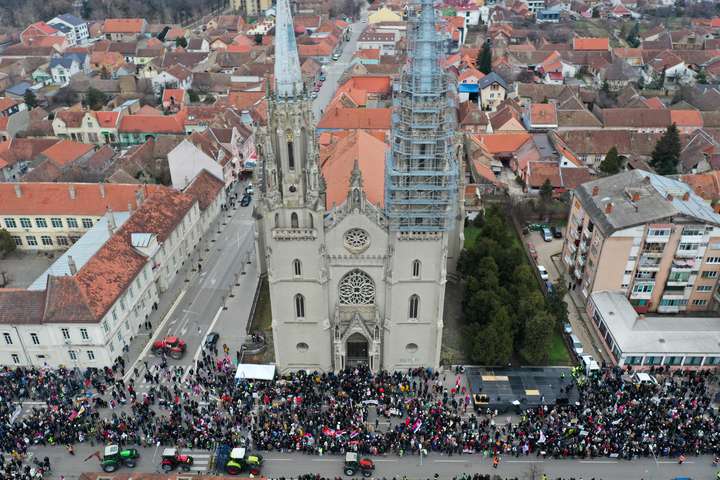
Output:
[[324, 460], [598, 461], [524, 461], [279, 459], [670, 461], [202, 340], [451, 461], [384, 460], [183, 331], [155, 335]]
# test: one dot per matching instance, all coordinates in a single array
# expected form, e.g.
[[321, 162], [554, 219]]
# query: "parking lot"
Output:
[[545, 253]]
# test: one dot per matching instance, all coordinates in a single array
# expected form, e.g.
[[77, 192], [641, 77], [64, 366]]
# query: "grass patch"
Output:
[[558, 354], [471, 236], [262, 321]]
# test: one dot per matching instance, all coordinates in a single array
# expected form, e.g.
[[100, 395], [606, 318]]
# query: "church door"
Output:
[[357, 350]]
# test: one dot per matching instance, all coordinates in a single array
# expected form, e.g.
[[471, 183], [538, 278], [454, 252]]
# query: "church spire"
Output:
[[288, 78]]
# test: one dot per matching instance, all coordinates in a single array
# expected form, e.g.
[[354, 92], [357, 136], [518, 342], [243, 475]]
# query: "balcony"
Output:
[[580, 260], [294, 233], [675, 282], [682, 265], [697, 239], [687, 253], [641, 295], [577, 272], [657, 238], [669, 308], [649, 263], [572, 247], [654, 249]]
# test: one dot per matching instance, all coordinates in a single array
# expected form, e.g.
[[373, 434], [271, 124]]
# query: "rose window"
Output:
[[357, 288], [356, 239]]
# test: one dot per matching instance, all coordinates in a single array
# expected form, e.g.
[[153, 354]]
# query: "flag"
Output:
[[417, 425], [542, 437]]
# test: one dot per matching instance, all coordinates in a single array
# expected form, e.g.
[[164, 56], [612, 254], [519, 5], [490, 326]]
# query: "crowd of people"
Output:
[[399, 413]]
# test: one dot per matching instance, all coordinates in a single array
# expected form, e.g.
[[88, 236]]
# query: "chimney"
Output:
[[686, 196], [71, 190], [595, 191], [609, 207], [110, 221], [18, 190], [71, 265], [669, 197], [102, 190]]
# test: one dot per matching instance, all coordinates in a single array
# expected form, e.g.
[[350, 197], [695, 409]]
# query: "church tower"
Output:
[[421, 199], [289, 210]]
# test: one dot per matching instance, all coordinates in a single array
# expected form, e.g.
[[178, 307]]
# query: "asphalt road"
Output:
[[334, 70], [198, 304], [282, 464]]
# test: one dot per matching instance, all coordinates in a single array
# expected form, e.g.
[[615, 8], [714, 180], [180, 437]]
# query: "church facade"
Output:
[[359, 283]]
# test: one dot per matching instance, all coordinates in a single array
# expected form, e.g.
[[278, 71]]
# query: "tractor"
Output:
[[240, 461], [114, 458], [353, 464], [172, 459]]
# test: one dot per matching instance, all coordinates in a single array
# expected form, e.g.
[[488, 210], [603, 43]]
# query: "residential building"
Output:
[[251, 8], [75, 29], [85, 308], [385, 42], [69, 64], [124, 29], [648, 236], [492, 91], [201, 151], [137, 129], [36, 31], [384, 14], [87, 126], [11, 106]]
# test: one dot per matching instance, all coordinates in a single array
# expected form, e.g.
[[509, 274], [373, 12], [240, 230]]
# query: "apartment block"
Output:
[[648, 236]]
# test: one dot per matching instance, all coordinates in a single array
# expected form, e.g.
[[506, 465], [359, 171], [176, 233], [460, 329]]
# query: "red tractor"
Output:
[[172, 459], [171, 346]]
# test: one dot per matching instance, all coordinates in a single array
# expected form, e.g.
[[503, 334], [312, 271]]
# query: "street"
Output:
[[278, 464], [334, 69]]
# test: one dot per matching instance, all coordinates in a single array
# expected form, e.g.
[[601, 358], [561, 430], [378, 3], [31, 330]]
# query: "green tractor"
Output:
[[240, 460], [114, 458]]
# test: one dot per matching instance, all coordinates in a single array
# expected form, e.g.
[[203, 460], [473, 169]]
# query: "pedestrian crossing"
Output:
[[201, 460]]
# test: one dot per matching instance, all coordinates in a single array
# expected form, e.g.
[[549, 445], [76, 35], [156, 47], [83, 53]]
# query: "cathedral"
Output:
[[361, 282]]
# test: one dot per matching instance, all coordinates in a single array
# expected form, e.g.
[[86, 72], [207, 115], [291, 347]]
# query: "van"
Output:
[[589, 364], [576, 344], [643, 378], [547, 234]]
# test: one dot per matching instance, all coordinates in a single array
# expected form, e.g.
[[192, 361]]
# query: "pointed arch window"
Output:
[[299, 307], [294, 220], [297, 268], [414, 307], [277, 220], [415, 271]]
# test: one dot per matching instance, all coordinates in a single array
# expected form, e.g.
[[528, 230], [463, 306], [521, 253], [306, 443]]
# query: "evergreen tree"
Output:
[[605, 88], [193, 96], [701, 77], [612, 163], [30, 99], [95, 99], [7, 244], [633, 37], [484, 60], [666, 155], [181, 42], [492, 344], [536, 344], [546, 191]]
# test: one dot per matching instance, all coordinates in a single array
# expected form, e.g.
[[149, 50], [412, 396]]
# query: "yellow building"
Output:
[[384, 14], [251, 8]]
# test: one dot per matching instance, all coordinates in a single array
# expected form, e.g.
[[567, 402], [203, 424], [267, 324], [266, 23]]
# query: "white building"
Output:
[[89, 304], [75, 29], [361, 282]]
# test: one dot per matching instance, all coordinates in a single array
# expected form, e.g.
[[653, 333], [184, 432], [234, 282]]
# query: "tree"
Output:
[[193, 96], [30, 99], [7, 244], [666, 155], [605, 88], [633, 38], [181, 42], [612, 163], [492, 344], [258, 38], [596, 12], [701, 77], [484, 59], [95, 99], [536, 343], [546, 191]]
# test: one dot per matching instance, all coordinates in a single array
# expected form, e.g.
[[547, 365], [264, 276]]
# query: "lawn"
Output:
[[471, 236], [558, 354]]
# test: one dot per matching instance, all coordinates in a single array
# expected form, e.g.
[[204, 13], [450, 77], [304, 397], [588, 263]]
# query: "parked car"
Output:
[[547, 234], [336, 57], [322, 78], [245, 200], [171, 346], [567, 328], [543, 272], [531, 249], [212, 339], [576, 344], [249, 189], [556, 232], [313, 94]]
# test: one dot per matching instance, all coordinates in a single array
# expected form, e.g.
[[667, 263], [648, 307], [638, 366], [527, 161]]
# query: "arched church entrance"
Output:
[[357, 351]]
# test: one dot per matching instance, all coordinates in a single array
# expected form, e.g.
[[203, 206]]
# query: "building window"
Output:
[[712, 260], [15, 358], [302, 347], [62, 241], [291, 156], [56, 222], [84, 334], [643, 288], [633, 360], [699, 303], [693, 360], [105, 326], [65, 333], [294, 220], [17, 240], [72, 354], [87, 222], [411, 347], [31, 240], [704, 288], [357, 288], [8, 338], [297, 268], [91, 355], [10, 223], [416, 268], [712, 360], [299, 306], [414, 305], [35, 339], [694, 231], [40, 223], [46, 240], [119, 336], [709, 274], [72, 223], [672, 361], [688, 246], [25, 222]]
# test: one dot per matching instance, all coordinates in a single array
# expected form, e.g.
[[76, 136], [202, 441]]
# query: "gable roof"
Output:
[[589, 43], [356, 118], [65, 152], [124, 25], [491, 78]]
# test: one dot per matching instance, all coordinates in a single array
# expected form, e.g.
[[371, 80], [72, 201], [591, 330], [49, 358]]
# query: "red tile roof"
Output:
[[6, 103], [588, 43], [543, 114], [177, 94], [356, 118], [153, 124], [67, 151], [205, 188], [502, 142], [124, 25], [107, 119], [686, 118], [91, 199]]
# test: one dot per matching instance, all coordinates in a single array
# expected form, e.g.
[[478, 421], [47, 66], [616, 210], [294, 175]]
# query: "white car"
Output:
[[313, 94], [543, 272], [249, 189]]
